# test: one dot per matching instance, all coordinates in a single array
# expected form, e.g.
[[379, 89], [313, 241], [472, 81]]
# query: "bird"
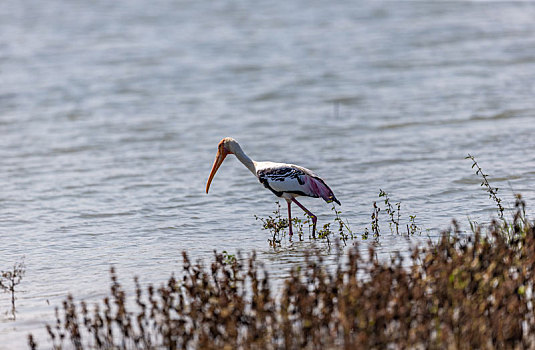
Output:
[[287, 181]]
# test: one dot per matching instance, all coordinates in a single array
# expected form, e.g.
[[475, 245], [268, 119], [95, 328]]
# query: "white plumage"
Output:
[[284, 180]]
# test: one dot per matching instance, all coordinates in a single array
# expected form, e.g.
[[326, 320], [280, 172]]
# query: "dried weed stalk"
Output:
[[474, 293], [10, 279]]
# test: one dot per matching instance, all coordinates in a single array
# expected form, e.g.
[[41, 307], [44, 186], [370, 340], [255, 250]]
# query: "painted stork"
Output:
[[284, 180]]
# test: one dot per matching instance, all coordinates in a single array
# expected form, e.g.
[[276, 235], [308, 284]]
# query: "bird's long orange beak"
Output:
[[219, 158]]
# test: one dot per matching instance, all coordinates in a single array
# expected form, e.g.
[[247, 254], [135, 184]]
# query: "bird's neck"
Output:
[[248, 162]]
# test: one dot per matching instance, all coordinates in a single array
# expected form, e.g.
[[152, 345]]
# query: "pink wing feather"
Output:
[[318, 188]]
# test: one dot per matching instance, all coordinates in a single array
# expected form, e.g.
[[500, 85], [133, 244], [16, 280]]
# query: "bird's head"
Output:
[[224, 148]]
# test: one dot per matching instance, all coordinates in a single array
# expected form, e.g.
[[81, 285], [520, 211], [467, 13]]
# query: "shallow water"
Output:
[[110, 114]]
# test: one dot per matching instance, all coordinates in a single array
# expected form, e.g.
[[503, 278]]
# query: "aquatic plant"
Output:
[[299, 225], [394, 217], [393, 213], [277, 225], [461, 293], [375, 220], [228, 258], [492, 191], [510, 228], [10, 279], [344, 231], [412, 228]]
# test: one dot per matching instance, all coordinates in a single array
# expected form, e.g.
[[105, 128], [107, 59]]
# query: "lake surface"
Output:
[[110, 115]]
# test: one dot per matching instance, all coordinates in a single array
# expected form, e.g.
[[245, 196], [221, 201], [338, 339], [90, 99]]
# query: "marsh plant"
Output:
[[510, 228], [277, 226], [343, 228], [10, 279], [393, 212], [340, 227], [492, 191], [375, 220], [458, 293], [228, 258]]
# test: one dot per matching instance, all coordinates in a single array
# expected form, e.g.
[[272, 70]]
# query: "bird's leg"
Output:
[[290, 216], [312, 216]]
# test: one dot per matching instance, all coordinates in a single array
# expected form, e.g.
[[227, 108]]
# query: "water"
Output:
[[110, 114]]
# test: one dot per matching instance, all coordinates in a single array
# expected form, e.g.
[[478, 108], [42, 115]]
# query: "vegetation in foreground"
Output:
[[458, 293], [467, 293]]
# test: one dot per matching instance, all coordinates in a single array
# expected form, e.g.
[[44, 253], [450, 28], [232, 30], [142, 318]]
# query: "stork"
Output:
[[284, 180]]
